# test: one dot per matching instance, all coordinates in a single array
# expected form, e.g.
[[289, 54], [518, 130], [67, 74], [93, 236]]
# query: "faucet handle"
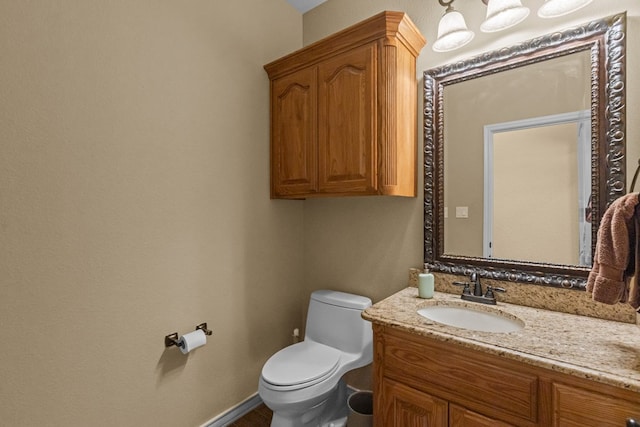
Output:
[[490, 289], [466, 290]]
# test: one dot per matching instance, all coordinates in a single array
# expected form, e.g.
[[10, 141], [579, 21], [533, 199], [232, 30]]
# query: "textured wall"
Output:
[[134, 202]]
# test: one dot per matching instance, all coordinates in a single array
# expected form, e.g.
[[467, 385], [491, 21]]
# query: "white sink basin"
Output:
[[468, 318]]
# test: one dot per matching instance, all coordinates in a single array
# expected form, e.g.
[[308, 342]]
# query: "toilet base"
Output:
[[332, 412]]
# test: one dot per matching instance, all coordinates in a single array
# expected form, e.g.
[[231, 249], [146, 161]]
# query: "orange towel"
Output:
[[614, 263]]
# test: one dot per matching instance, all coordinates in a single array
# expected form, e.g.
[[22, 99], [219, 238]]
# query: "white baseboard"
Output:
[[235, 413], [243, 408]]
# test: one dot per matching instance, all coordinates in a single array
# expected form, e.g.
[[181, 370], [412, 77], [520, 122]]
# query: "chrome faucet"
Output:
[[477, 295]]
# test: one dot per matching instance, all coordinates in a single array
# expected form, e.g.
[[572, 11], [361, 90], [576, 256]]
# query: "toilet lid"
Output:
[[300, 364]]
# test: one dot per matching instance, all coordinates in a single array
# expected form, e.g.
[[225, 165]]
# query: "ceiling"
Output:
[[305, 5]]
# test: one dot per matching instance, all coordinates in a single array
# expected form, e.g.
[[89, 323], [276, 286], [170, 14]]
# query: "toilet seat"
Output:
[[300, 365]]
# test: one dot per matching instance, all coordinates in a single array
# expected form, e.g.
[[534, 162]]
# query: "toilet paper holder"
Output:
[[173, 339]]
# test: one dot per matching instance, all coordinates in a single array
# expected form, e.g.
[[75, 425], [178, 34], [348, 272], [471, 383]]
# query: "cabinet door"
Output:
[[576, 407], [462, 417], [294, 138], [405, 406], [347, 122]]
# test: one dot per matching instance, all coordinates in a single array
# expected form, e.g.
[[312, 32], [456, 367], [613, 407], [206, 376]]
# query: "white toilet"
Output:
[[302, 384]]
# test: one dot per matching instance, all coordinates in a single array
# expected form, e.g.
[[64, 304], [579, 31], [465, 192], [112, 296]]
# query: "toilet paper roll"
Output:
[[192, 340]]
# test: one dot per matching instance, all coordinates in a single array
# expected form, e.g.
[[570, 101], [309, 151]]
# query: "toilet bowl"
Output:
[[302, 384]]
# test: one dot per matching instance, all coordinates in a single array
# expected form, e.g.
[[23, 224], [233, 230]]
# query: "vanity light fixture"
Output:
[[452, 30], [555, 8], [501, 14]]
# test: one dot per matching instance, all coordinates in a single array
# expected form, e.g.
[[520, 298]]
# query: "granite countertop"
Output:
[[601, 350]]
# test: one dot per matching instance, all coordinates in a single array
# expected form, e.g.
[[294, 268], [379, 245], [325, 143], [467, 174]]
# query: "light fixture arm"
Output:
[[447, 3]]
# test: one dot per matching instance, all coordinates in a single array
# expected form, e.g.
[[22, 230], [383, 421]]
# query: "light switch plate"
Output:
[[462, 212]]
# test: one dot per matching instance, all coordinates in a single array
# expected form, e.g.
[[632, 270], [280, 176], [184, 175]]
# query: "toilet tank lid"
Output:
[[341, 299]]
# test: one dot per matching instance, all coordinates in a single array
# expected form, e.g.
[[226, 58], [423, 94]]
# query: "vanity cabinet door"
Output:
[[462, 417], [405, 406], [574, 406]]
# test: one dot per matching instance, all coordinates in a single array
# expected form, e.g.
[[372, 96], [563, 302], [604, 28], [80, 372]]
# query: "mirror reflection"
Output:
[[538, 187], [519, 169]]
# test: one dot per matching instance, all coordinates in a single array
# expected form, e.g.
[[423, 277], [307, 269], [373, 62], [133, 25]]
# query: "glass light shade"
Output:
[[452, 32], [503, 14], [554, 8]]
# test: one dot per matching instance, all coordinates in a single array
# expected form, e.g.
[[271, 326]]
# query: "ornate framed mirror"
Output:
[[524, 148]]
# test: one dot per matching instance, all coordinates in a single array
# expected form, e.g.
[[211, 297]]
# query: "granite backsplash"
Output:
[[536, 296]]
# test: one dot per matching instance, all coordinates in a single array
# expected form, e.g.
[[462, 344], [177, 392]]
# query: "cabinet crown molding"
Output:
[[389, 25]]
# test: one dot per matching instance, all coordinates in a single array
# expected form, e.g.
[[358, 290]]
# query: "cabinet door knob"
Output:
[[632, 423]]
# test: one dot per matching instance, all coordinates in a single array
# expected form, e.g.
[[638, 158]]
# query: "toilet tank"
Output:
[[334, 319]]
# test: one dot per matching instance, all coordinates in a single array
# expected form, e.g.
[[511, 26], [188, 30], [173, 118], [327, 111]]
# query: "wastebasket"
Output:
[[360, 409]]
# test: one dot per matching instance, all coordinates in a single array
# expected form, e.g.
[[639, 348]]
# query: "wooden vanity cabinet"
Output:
[[462, 417], [420, 381], [344, 113], [406, 406], [575, 405]]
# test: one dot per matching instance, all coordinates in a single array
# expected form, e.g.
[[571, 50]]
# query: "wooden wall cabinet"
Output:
[[344, 113], [423, 382]]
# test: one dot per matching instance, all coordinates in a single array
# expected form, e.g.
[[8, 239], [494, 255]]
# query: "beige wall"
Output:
[[366, 245], [134, 202]]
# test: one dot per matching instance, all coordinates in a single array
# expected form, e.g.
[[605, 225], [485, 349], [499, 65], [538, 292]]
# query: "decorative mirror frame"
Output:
[[605, 38]]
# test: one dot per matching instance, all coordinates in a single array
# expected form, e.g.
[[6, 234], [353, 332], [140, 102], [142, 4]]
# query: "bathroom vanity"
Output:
[[558, 370]]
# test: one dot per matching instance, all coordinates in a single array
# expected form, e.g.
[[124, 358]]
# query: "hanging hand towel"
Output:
[[634, 288], [614, 260]]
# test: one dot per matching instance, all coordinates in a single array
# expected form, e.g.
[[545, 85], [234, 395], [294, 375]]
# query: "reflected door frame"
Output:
[[583, 120]]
